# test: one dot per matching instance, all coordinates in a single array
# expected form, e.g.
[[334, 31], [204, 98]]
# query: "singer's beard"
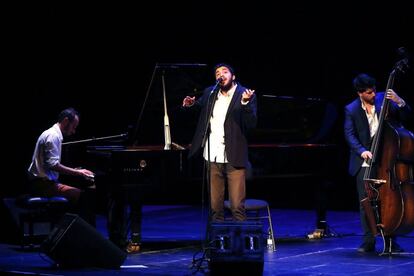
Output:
[[226, 87]]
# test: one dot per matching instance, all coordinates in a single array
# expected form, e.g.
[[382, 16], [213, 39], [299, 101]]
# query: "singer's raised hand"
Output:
[[247, 94], [188, 101]]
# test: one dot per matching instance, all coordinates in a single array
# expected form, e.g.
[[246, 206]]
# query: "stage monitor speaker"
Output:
[[237, 248], [75, 243]]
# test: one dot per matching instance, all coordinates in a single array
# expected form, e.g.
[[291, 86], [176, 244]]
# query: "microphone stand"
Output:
[[206, 140], [210, 108]]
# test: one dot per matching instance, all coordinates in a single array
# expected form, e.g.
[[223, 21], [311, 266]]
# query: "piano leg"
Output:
[[135, 217], [124, 217], [321, 205], [86, 205]]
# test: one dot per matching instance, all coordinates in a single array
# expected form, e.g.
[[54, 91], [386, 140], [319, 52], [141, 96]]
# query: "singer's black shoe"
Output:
[[366, 247]]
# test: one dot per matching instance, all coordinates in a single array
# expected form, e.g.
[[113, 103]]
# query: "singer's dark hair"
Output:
[[69, 113], [224, 65], [362, 82]]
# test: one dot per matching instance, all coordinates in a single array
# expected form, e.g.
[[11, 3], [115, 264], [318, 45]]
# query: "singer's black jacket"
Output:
[[239, 120]]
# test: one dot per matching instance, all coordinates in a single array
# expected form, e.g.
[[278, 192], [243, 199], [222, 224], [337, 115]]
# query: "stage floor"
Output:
[[172, 238]]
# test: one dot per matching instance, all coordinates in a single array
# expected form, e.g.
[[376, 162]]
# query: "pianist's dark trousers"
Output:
[[222, 173], [124, 217]]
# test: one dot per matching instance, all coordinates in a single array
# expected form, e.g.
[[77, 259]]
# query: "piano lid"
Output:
[[286, 119], [177, 80]]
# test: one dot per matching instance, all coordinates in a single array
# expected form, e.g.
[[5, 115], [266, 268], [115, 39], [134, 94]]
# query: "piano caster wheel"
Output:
[[133, 248]]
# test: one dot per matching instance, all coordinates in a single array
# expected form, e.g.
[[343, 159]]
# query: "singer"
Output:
[[228, 112]]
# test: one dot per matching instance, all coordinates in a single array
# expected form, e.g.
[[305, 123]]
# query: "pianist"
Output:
[[45, 167]]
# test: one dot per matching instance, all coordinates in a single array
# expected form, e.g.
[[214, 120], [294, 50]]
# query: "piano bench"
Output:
[[255, 206], [37, 217]]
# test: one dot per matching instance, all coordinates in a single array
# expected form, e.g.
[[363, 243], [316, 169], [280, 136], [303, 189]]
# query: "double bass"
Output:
[[389, 176]]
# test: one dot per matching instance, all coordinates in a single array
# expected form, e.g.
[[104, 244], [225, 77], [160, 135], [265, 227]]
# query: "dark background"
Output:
[[99, 59]]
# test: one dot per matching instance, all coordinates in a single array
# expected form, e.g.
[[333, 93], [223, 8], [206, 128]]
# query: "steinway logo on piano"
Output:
[[140, 168]]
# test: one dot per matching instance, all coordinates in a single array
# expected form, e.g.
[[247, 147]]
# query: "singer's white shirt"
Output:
[[216, 137]]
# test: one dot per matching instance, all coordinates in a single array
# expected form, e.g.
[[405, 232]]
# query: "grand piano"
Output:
[[290, 148]]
